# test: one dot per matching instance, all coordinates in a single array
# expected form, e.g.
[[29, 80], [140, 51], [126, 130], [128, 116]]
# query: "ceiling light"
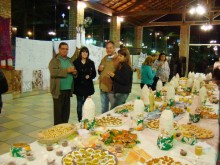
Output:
[[81, 5], [206, 27], [199, 10]]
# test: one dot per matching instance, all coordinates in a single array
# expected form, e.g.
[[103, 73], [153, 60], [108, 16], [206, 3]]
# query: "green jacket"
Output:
[[56, 72]]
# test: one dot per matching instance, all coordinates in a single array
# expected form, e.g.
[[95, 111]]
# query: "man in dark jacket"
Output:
[[3, 87], [61, 83]]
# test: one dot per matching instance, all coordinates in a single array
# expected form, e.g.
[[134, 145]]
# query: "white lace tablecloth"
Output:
[[148, 140]]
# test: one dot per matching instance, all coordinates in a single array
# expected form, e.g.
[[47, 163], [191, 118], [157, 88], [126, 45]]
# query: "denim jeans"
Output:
[[120, 98], [107, 97], [80, 101]]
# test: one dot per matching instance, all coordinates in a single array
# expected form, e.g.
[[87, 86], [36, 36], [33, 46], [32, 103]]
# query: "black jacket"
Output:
[[122, 81], [3, 83], [83, 86]]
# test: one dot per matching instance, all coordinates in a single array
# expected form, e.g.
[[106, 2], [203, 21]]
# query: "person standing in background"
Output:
[[3, 88], [83, 83], [61, 83], [163, 69], [108, 63], [147, 73], [122, 78]]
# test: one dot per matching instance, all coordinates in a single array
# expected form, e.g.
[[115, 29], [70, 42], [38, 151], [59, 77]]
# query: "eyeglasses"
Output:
[[64, 48]]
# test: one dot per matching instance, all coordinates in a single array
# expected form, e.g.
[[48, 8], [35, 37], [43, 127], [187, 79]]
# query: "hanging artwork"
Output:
[[5, 40], [16, 80], [37, 80]]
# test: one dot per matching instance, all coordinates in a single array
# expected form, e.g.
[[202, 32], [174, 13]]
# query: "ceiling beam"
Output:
[[137, 3], [100, 8], [151, 12], [216, 15], [132, 21], [178, 23]]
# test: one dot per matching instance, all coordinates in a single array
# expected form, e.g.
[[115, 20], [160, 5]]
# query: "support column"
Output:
[[184, 44], [115, 30], [76, 17], [138, 36]]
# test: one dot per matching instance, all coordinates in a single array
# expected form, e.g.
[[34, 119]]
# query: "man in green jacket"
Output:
[[61, 83]]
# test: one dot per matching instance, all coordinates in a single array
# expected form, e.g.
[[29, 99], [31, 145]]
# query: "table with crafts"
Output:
[[143, 151]]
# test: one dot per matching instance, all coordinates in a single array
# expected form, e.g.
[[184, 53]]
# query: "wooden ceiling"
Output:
[[156, 12]]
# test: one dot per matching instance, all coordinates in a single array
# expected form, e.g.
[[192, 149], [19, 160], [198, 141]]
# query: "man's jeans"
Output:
[[107, 97]]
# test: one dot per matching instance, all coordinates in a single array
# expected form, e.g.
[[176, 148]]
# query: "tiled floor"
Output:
[[23, 118]]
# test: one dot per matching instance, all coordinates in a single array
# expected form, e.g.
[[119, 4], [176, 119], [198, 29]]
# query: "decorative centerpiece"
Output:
[[159, 87], [145, 95], [170, 99], [139, 107], [194, 114], [166, 128], [88, 114], [19, 149], [189, 85], [203, 95], [196, 87], [151, 98], [189, 138]]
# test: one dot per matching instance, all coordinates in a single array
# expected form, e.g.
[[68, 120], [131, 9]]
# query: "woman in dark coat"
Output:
[[83, 84], [122, 78]]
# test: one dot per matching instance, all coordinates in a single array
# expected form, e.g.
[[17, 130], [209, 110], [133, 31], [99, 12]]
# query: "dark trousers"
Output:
[[80, 101], [1, 103], [62, 107]]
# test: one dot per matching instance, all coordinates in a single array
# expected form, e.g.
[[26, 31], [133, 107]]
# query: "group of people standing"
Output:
[[153, 69], [69, 76]]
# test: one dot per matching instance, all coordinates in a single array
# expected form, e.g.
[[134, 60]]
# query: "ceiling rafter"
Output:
[[137, 3], [216, 15], [123, 3], [100, 8], [178, 23]]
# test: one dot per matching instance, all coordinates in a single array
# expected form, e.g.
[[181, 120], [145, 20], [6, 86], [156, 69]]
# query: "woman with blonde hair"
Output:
[[122, 78], [147, 73]]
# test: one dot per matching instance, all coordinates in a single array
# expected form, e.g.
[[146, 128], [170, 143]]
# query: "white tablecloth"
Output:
[[148, 140]]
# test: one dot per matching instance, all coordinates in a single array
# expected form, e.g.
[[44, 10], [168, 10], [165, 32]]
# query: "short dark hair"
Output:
[[83, 49], [62, 43], [110, 42], [161, 54]]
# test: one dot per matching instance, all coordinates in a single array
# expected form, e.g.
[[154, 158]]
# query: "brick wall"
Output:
[[5, 8]]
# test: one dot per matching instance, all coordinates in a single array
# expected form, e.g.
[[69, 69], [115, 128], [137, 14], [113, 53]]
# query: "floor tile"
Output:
[[16, 116], [41, 123], [6, 135], [21, 138], [4, 120], [25, 129], [42, 115], [31, 112], [12, 124], [4, 148], [29, 119], [34, 133], [2, 129]]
